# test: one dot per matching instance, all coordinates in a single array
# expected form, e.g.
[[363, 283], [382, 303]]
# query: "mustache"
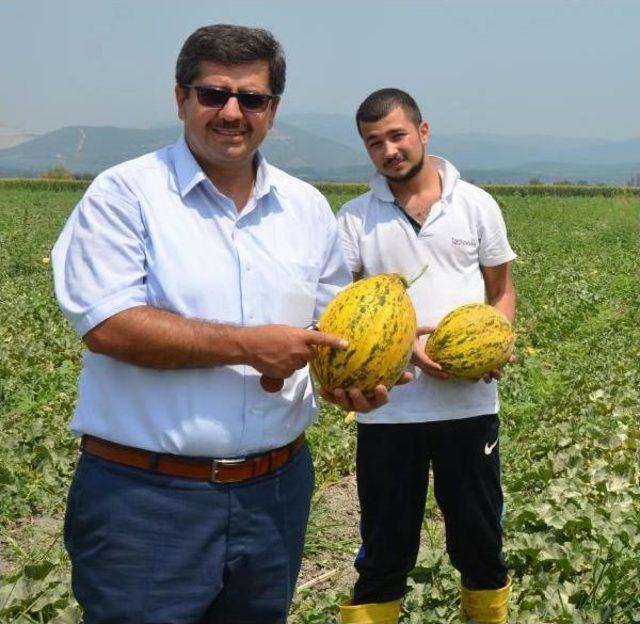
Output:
[[230, 125], [389, 161]]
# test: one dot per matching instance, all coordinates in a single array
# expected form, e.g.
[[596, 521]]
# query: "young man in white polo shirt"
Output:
[[419, 212]]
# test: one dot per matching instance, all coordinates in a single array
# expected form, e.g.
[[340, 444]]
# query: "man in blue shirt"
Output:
[[191, 274]]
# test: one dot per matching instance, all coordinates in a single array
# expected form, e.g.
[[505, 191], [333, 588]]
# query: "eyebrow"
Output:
[[377, 135]]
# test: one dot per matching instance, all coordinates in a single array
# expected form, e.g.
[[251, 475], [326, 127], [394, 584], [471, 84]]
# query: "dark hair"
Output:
[[380, 103], [231, 44]]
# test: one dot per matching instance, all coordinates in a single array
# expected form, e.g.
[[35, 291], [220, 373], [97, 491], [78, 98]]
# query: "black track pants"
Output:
[[393, 472]]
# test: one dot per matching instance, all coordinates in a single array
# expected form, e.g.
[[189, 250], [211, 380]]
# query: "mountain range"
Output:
[[327, 147], [10, 136]]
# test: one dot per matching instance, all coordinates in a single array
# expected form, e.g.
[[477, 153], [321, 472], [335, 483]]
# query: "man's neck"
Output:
[[417, 195], [426, 182], [236, 180]]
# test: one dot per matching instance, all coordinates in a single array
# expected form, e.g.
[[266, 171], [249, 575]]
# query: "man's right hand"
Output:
[[155, 338], [277, 351], [420, 359]]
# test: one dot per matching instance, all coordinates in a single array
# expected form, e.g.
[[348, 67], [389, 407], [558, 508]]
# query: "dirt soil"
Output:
[[335, 517], [331, 545]]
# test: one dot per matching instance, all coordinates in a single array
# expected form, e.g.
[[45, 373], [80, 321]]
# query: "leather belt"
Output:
[[217, 470]]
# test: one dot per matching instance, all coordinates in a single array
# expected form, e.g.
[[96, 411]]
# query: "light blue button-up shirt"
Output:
[[155, 231]]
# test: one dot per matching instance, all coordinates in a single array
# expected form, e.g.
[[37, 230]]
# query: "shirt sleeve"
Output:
[[349, 227], [99, 262], [334, 273], [494, 244]]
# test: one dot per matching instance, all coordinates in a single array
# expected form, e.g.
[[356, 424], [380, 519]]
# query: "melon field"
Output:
[[570, 424]]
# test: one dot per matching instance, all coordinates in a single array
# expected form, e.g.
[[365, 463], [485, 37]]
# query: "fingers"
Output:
[[352, 400], [329, 340], [427, 365], [405, 378], [491, 376], [423, 330], [277, 351], [437, 374], [271, 384]]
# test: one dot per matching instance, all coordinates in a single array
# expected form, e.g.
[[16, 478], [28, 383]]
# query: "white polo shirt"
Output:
[[155, 231], [464, 230]]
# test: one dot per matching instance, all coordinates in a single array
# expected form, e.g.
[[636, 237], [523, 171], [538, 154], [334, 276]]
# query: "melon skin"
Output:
[[471, 341], [376, 316]]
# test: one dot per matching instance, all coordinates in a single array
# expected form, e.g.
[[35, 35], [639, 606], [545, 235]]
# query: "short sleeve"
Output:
[[494, 244], [334, 273], [99, 261], [349, 225]]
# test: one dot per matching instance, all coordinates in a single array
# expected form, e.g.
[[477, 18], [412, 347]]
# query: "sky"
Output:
[[565, 68]]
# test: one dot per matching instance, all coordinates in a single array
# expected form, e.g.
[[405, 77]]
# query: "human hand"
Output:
[[277, 351], [497, 374], [353, 400], [420, 359]]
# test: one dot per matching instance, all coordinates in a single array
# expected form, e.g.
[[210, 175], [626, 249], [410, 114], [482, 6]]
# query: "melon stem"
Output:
[[417, 277]]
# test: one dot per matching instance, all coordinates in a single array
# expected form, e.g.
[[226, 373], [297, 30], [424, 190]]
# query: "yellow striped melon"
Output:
[[377, 317], [471, 341]]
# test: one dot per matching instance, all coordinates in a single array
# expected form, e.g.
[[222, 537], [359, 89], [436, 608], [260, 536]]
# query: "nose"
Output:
[[389, 150], [231, 110]]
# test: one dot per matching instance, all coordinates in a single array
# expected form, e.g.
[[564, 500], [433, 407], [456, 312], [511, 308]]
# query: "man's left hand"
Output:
[[497, 374], [352, 399]]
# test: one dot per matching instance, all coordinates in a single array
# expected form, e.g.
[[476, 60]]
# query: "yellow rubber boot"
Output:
[[372, 613], [486, 606]]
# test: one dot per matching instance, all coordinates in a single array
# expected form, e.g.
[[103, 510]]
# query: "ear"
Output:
[[423, 130], [181, 97], [273, 107]]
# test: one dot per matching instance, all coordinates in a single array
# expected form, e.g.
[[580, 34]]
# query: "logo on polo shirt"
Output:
[[461, 241]]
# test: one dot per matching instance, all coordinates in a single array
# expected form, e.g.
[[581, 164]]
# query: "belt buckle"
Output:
[[216, 463]]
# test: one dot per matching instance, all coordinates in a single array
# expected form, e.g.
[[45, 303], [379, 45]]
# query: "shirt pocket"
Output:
[[298, 288]]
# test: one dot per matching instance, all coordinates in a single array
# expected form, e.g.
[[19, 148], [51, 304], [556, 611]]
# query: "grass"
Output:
[[570, 433]]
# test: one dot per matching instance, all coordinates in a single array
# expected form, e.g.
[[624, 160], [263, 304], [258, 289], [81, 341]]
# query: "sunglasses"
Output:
[[213, 97]]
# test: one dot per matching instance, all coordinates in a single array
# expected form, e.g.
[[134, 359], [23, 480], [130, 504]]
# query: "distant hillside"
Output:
[[483, 150], [82, 149], [92, 149], [341, 128], [618, 174], [487, 151], [10, 137], [327, 147], [295, 149]]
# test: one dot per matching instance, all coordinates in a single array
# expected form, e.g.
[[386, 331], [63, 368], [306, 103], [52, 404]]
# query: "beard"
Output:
[[414, 171]]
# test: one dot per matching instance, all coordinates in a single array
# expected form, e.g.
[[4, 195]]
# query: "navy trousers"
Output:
[[393, 472], [151, 549]]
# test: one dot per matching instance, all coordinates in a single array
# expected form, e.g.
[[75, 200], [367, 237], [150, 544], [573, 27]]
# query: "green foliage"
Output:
[[333, 441], [570, 435], [43, 184], [58, 173], [338, 194], [559, 190]]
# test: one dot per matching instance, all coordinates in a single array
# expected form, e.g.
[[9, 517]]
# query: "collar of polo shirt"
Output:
[[448, 174]]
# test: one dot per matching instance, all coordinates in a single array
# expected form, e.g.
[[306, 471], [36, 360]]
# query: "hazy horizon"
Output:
[[520, 68]]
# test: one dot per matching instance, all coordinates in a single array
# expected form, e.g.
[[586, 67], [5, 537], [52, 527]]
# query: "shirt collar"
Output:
[[189, 173], [449, 175], [265, 179]]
